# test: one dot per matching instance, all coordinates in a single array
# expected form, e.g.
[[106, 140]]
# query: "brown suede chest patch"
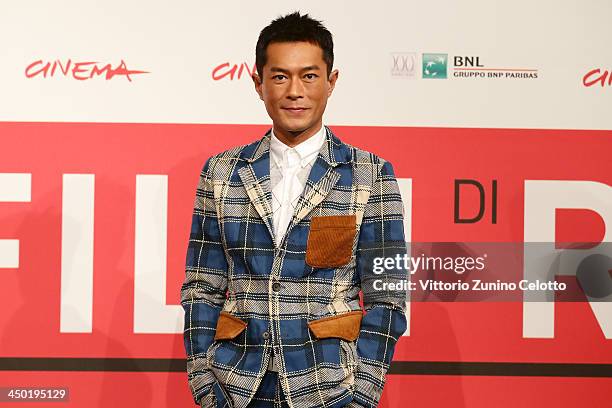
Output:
[[330, 240]]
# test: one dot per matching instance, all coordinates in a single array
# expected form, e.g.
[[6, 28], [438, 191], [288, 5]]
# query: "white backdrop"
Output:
[[180, 43]]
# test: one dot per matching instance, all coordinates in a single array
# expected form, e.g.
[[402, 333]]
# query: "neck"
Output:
[[293, 139]]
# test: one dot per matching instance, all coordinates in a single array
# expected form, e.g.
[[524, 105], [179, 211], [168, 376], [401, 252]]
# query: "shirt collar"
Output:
[[305, 149]]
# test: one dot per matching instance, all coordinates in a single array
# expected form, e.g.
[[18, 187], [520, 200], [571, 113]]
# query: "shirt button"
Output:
[[276, 286], [266, 335]]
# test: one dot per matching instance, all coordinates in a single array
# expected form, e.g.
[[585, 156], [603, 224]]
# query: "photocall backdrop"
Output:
[[109, 110]]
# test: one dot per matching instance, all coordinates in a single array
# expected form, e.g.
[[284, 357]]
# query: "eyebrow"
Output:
[[284, 71]]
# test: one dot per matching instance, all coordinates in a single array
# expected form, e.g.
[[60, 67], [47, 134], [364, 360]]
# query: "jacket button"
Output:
[[276, 286], [266, 335]]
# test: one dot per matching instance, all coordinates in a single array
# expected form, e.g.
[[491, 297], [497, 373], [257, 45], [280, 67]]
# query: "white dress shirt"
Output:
[[289, 170]]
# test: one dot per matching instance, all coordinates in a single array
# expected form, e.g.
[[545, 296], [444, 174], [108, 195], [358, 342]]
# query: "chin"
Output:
[[295, 127]]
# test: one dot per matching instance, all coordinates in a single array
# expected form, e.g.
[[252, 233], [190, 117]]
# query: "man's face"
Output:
[[295, 87]]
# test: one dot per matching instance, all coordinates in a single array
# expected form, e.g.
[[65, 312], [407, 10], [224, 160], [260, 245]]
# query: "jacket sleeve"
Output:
[[381, 235], [204, 289]]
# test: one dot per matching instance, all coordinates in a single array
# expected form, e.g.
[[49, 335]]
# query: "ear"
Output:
[[257, 83], [333, 77]]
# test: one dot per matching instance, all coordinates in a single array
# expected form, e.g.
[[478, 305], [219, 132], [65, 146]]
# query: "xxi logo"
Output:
[[403, 64]]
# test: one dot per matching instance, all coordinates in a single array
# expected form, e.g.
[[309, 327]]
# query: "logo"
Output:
[[79, 70], [597, 77], [403, 64], [467, 62], [470, 66], [233, 71], [434, 65]]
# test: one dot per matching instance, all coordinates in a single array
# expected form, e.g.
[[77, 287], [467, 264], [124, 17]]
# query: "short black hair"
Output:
[[294, 27]]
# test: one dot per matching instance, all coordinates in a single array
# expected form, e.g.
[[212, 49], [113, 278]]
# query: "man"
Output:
[[283, 235]]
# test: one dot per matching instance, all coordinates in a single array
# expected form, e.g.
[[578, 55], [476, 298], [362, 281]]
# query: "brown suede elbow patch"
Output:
[[345, 326]]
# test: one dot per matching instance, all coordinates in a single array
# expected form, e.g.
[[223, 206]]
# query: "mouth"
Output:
[[295, 110]]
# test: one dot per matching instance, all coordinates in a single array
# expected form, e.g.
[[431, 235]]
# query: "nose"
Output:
[[296, 89]]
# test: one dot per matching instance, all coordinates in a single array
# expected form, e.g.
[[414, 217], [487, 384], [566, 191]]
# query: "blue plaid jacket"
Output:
[[247, 296]]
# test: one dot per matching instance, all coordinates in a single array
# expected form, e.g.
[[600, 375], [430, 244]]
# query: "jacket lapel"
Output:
[[256, 179], [322, 178], [255, 176]]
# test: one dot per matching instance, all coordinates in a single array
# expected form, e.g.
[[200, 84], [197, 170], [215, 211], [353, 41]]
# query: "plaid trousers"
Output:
[[270, 393]]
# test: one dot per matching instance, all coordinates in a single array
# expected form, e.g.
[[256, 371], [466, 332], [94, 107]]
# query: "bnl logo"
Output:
[[435, 66]]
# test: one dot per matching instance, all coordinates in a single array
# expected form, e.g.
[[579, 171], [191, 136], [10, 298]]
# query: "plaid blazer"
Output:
[[246, 296]]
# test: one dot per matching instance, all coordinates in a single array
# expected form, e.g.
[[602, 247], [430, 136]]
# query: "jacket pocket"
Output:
[[330, 240], [228, 326], [344, 326]]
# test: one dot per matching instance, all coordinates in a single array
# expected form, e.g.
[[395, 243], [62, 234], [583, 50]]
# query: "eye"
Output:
[[279, 77], [310, 76]]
